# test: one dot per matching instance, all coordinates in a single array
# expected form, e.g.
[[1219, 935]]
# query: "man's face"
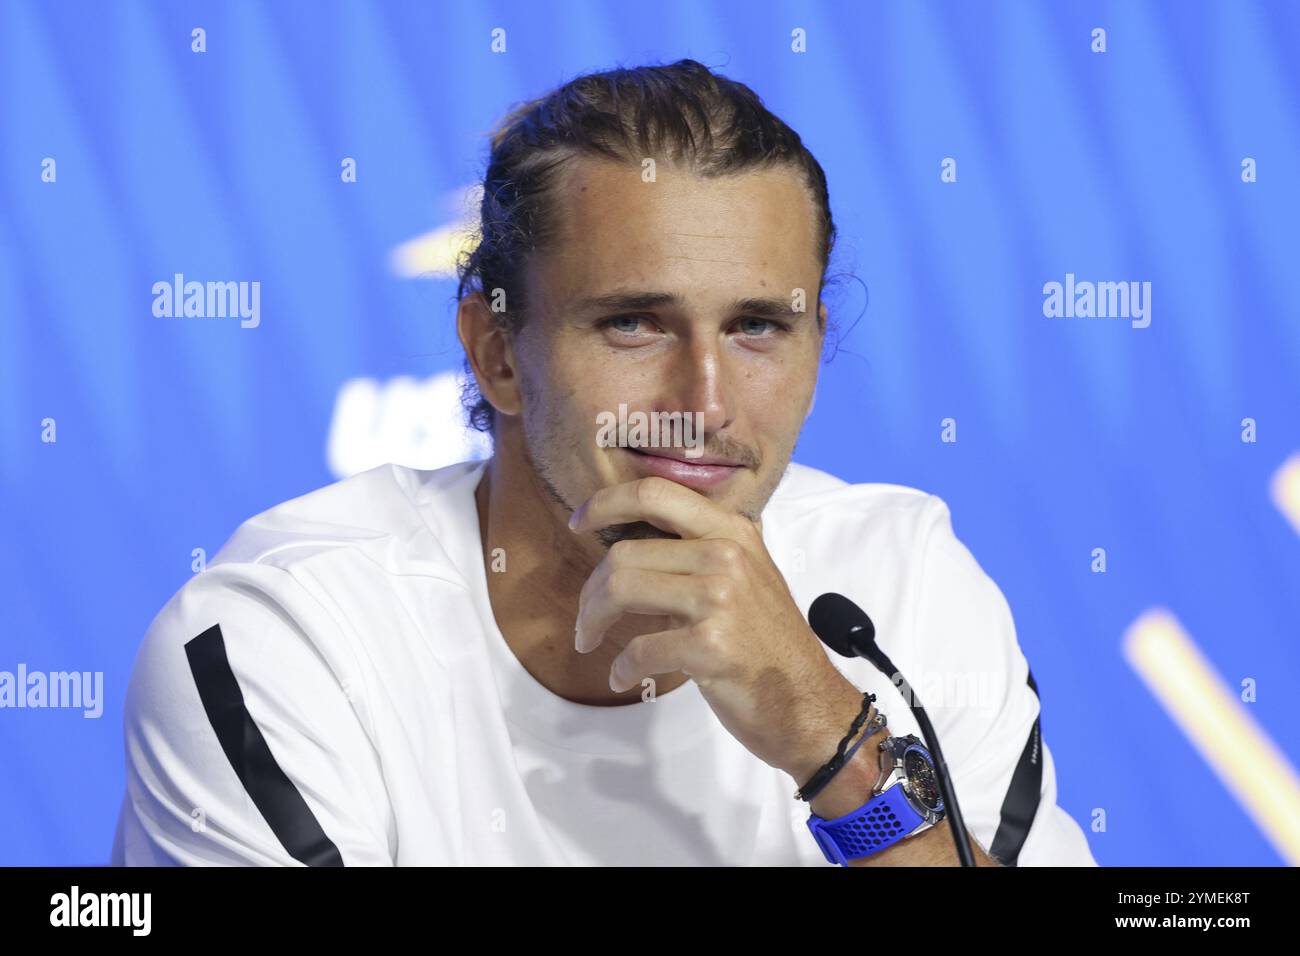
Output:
[[642, 301]]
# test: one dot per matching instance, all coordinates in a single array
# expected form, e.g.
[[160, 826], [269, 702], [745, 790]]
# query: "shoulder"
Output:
[[896, 547], [889, 548], [363, 514], [892, 550], [339, 553], [816, 504], [324, 571]]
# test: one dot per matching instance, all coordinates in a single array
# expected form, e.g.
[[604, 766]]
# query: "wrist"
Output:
[[837, 709], [853, 785]]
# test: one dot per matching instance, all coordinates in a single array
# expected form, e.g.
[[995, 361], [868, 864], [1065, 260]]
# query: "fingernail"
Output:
[[573, 519]]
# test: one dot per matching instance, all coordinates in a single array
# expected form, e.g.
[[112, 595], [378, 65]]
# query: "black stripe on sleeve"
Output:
[[271, 790], [1021, 802]]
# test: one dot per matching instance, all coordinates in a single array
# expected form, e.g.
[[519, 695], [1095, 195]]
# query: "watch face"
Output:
[[920, 774]]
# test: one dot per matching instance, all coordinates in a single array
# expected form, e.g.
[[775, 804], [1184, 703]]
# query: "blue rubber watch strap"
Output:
[[879, 823]]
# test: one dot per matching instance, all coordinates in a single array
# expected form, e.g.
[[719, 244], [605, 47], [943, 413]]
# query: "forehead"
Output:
[[707, 239]]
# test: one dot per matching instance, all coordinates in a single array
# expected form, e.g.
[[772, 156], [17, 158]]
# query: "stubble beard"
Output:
[[545, 471], [538, 439]]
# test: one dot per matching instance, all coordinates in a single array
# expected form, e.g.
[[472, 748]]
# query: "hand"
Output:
[[737, 631]]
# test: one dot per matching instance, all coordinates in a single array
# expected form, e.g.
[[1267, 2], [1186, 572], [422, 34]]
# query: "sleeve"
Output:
[[977, 688], [244, 743]]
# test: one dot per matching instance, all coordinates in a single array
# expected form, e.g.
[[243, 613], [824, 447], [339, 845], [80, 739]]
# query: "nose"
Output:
[[701, 383]]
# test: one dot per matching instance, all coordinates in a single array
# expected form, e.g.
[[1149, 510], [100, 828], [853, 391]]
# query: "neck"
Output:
[[535, 598]]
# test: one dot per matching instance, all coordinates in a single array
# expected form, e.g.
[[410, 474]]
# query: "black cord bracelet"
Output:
[[823, 776]]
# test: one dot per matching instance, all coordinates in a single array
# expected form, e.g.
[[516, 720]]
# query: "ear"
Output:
[[490, 353], [821, 317]]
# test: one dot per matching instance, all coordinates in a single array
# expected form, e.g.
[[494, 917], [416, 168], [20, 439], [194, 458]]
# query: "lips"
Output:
[[698, 473]]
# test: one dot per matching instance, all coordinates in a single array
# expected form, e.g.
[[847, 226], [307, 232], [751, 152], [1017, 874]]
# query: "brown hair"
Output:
[[684, 112]]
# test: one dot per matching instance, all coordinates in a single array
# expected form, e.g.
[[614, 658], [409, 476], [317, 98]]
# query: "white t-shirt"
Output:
[[333, 689]]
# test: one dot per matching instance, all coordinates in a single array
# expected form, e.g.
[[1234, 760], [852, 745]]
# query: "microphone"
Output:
[[845, 628]]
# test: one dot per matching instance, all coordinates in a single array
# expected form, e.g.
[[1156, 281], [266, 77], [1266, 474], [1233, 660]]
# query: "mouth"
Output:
[[697, 473]]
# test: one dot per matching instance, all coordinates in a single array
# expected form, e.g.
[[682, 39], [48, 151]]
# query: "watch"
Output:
[[905, 801]]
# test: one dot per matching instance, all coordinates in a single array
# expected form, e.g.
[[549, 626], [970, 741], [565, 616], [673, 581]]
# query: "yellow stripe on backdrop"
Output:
[[1216, 722]]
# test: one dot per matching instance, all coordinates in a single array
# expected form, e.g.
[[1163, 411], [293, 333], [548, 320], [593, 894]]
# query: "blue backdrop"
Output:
[[126, 157]]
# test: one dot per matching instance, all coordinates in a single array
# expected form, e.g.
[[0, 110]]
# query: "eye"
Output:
[[754, 327], [627, 324]]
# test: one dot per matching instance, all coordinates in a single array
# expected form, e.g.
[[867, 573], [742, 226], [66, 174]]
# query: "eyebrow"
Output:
[[760, 307]]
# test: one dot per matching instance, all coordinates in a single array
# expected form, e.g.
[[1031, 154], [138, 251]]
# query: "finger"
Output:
[[665, 504], [711, 556], [662, 652], [633, 591], [674, 556]]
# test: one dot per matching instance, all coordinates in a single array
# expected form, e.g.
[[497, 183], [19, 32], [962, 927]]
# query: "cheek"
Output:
[[775, 416], [595, 380], [572, 390], [548, 376], [778, 390]]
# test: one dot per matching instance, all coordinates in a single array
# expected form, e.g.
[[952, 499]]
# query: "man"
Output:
[[582, 652]]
